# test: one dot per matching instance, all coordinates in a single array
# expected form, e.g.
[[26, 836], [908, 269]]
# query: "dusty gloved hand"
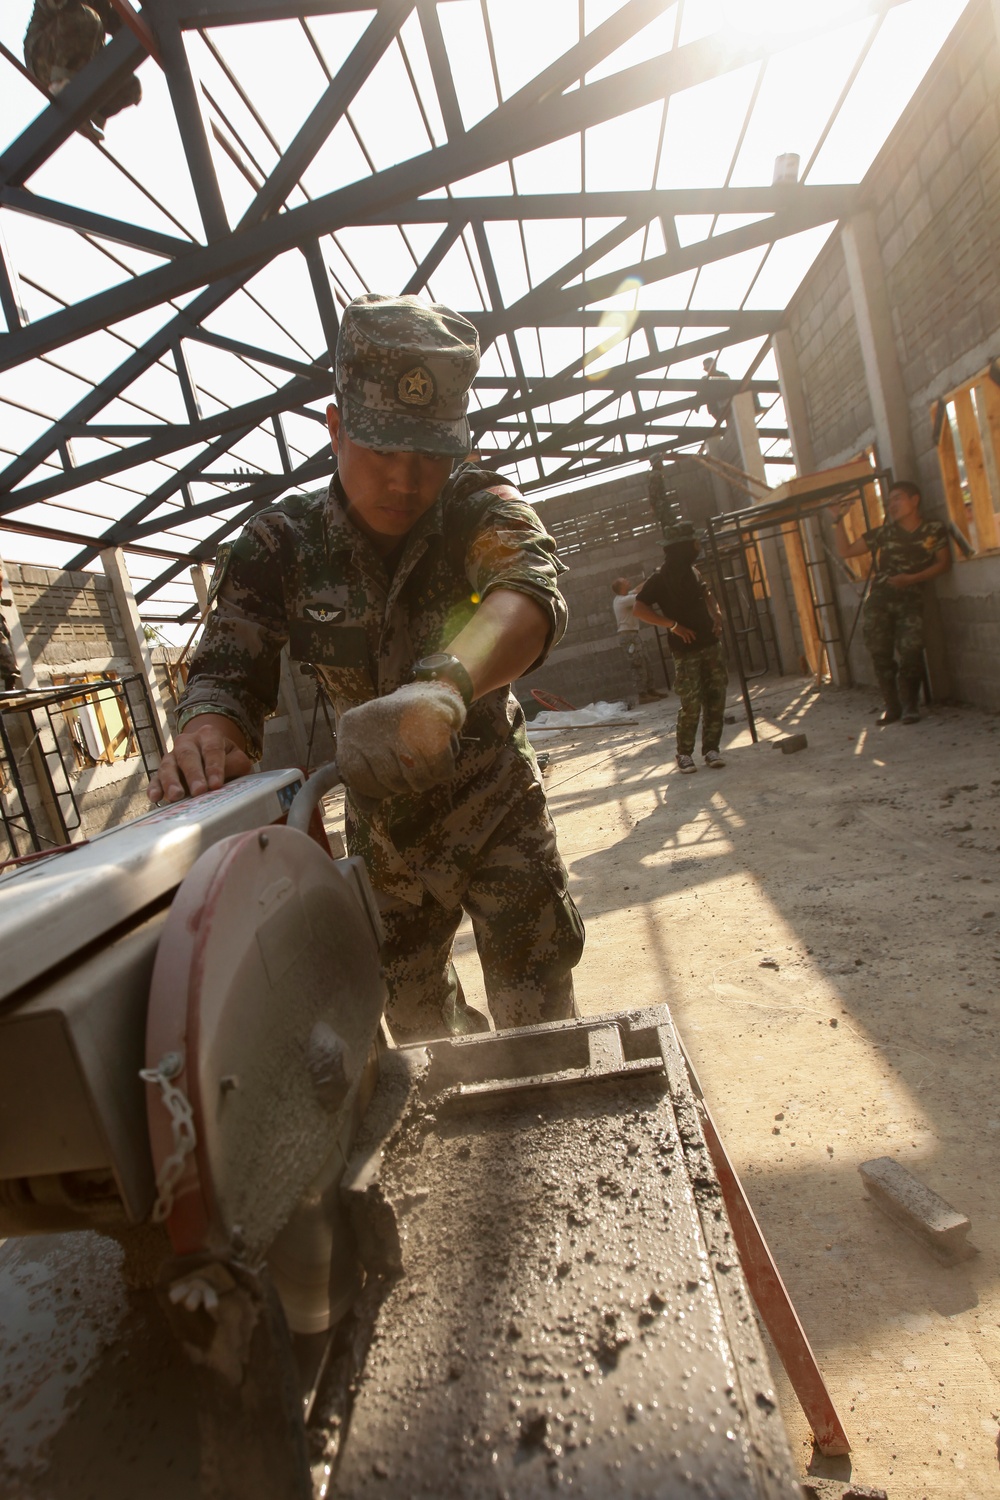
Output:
[[405, 742]]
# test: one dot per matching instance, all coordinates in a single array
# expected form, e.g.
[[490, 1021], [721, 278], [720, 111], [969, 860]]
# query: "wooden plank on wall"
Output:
[[948, 459], [799, 574], [975, 472], [988, 402]]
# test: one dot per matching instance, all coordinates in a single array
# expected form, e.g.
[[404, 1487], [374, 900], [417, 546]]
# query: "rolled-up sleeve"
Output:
[[236, 669], [510, 549]]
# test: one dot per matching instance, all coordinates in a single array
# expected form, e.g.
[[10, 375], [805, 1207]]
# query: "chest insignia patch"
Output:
[[324, 614], [416, 387]]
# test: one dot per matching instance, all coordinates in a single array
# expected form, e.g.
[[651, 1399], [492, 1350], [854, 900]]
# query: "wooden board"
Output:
[[799, 572], [948, 459], [856, 471], [975, 472]]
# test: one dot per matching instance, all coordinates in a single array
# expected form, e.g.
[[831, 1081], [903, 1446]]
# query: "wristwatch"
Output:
[[440, 667]]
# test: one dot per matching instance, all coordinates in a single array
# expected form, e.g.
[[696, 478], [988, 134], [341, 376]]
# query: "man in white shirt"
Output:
[[631, 642]]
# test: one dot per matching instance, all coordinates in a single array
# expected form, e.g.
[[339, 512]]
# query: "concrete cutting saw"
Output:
[[492, 1265]]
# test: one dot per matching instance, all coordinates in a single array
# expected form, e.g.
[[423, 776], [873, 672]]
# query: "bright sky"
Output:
[[725, 131]]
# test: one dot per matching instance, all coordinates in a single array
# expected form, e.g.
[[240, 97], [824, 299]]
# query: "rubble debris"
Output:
[[789, 744], [917, 1209]]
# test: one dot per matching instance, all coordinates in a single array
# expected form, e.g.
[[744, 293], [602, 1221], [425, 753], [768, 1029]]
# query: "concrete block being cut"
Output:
[[917, 1209], [790, 743]]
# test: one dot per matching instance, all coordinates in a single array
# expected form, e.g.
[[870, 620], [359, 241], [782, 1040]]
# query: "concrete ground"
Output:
[[825, 929]]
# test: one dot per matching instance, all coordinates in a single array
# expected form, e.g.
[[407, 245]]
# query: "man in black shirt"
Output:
[[677, 597]]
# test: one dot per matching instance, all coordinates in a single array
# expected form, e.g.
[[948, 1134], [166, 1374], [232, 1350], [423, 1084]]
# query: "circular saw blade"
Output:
[[264, 1002]]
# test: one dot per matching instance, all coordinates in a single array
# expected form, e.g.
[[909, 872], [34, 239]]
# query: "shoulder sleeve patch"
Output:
[[222, 560]]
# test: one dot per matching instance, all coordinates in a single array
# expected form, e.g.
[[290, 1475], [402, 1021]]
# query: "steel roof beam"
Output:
[[533, 308], [260, 494], [173, 436], [835, 200], [191, 127], [580, 385], [178, 482], [197, 14], [512, 128], [331, 108], [136, 236], [618, 378]]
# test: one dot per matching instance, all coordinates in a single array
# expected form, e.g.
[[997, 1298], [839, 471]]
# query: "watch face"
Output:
[[435, 662]]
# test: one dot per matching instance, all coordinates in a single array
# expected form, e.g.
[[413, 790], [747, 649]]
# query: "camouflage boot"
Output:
[[459, 1018], [911, 698], [893, 708]]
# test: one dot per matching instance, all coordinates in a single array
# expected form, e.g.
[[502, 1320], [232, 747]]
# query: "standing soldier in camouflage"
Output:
[[906, 553], [686, 608], [631, 642], [62, 37], [417, 596], [657, 492], [8, 661]]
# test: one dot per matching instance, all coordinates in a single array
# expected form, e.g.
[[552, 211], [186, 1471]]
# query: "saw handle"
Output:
[[310, 794]]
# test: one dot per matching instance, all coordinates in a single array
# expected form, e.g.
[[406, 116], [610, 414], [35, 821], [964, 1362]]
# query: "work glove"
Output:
[[405, 742]]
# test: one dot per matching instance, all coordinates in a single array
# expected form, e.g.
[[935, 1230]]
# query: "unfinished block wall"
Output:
[[934, 191]]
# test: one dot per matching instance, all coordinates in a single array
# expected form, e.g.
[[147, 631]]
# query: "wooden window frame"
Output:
[[977, 420], [109, 742]]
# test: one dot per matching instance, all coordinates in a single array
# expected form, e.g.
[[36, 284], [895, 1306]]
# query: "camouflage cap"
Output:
[[403, 375], [676, 530]]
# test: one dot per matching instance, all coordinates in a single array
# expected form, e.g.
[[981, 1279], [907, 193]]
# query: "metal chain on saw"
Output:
[[178, 1107]]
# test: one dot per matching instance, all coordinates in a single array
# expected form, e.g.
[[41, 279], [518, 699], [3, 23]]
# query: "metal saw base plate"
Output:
[[571, 1312]]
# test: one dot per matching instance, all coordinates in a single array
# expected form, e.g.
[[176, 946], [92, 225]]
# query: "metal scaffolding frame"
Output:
[[734, 544], [184, 279], [49, 747]]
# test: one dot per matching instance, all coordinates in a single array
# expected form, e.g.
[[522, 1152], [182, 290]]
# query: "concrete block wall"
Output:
[[934, 191], [833, 373], [588, 665], [67, 618]]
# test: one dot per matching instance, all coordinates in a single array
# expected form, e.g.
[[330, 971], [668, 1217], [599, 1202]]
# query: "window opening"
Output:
[[99, 725], [967, 438]]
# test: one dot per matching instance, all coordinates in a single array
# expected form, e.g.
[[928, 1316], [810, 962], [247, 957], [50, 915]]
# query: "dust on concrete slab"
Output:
[[559, 1323], [867, 869]]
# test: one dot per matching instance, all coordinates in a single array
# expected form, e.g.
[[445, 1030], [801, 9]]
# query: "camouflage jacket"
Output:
[[8, 661], [302, 573], [896, 550]]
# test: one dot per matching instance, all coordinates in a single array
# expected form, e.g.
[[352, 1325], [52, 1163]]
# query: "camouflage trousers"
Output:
[[59, 43], [528, 932], [634, 650], [894, 634], [701, 682]]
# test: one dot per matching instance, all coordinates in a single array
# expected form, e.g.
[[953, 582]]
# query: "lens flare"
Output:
[[615, 325]]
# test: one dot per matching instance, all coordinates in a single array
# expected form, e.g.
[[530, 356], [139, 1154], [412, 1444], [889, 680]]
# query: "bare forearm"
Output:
[[845, 547], [505, 637], [648, 615]]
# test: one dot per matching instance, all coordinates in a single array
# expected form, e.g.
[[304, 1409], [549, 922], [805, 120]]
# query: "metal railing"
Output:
[[40, 729]]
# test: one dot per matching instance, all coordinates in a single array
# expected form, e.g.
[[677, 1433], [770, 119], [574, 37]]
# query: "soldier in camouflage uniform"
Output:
[[657, 492], [63, 36], [8, 661], [906, 553], [632, 644], [691, 616], [417, 598]]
